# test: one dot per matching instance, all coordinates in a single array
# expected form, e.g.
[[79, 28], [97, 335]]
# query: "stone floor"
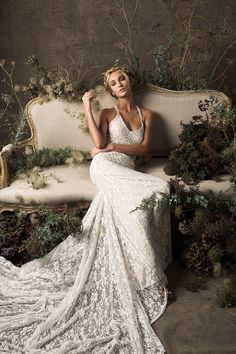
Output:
[[193, 323]]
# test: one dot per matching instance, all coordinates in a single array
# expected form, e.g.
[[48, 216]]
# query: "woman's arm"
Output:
[[98, 134], [133, 149]]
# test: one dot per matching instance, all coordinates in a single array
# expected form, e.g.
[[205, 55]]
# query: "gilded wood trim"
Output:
[[4, 169], [33, 140], [82, 204]]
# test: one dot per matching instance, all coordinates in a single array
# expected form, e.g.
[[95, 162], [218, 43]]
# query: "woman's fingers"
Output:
[[88, 95]]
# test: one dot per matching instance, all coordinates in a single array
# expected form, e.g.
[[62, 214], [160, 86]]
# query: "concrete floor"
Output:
[[193, 323]]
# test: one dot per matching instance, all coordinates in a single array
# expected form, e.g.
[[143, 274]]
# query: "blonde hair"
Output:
[[127, 73]]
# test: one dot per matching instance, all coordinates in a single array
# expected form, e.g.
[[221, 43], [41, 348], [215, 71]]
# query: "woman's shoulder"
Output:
[[108, 113], [146, 113]]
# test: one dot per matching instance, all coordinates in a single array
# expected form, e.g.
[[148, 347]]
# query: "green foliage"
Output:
[[25, 236], [215, 253], [53, 227], [49, 157], [9, 226], [20, 130], [203, 225], [12, 117], [226, 294], [228, 155], [207, 145], [20, 162], [161, 74], [51, 83]]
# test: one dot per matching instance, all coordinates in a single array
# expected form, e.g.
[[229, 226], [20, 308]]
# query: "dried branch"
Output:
[[128, 21], [6, 108], [73, 61], [10, 83], [223, 73], [92, 67], [220, 59], [188, 28], [135, 10]]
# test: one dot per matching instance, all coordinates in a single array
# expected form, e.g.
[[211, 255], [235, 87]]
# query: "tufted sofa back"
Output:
[[59, 123]]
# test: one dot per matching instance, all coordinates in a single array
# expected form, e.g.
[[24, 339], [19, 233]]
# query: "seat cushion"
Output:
[[75, 185], [155, 167]]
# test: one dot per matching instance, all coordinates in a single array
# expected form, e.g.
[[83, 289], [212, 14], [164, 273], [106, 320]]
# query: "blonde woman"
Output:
[[99, 292]]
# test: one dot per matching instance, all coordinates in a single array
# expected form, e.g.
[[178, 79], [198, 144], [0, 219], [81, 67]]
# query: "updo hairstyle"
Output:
[[127, 73]]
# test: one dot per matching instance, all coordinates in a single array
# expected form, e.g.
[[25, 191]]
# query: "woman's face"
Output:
[[119, 84]]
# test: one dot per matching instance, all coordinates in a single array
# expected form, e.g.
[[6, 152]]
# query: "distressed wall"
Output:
[[53, 30]]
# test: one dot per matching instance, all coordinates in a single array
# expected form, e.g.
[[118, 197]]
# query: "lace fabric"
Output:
[[98, 291]]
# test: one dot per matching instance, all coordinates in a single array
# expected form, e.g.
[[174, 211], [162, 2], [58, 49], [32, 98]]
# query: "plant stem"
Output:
[[11, 85], [220, 59]]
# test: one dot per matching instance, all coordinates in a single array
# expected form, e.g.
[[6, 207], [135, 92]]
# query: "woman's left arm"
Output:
[[133, 149]]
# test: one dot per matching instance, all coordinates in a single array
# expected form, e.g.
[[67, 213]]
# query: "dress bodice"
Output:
[[119, 133]]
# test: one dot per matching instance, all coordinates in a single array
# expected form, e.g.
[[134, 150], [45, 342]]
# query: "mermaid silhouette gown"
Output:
[[100, 290]]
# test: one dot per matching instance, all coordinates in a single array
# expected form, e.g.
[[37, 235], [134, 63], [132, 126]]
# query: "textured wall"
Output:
[[51, 28]]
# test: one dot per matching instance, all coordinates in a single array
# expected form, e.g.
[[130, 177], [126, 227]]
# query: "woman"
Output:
[[101, 291]]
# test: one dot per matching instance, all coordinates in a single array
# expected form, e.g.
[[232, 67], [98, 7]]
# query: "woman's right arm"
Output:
[[98, 134]]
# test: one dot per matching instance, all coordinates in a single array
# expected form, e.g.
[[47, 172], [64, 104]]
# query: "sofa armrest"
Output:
[[4, 154]]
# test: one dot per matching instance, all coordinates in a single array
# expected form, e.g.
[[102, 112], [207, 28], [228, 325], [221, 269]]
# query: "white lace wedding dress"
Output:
[[98, 291]]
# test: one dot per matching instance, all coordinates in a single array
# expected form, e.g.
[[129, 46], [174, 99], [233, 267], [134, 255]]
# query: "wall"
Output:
[[55, 29]]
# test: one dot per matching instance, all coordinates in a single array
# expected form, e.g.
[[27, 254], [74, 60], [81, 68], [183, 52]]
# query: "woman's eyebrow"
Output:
[[120, 76]]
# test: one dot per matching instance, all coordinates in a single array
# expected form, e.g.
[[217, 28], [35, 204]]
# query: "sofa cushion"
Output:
[[75, 185], [155, 167]]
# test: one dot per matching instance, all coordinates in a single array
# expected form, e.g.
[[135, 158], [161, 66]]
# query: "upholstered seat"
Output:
[[58, 123], [155, 167], [75, 185], [65, 184]]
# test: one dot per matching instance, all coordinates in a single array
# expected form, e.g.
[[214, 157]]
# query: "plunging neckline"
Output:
[[120, 115]]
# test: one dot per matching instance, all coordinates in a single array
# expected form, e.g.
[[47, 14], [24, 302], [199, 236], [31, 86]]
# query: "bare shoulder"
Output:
[[147, 114], [107, 114]]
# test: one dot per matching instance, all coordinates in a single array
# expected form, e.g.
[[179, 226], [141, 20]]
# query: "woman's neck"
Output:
[[126, 104]]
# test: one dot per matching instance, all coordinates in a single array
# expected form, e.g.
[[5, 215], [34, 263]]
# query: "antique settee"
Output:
[[57, 123]]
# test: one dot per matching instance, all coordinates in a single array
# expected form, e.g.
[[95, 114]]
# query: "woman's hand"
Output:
[[95, 150], [87, 97]]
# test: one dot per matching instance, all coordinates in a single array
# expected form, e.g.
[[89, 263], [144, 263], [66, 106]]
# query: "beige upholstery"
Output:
[[155, 167], [74, 185], [170, 108], [58, 123]]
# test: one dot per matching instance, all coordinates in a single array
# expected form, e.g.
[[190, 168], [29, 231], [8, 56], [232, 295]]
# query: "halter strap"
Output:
[[140, 113]]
